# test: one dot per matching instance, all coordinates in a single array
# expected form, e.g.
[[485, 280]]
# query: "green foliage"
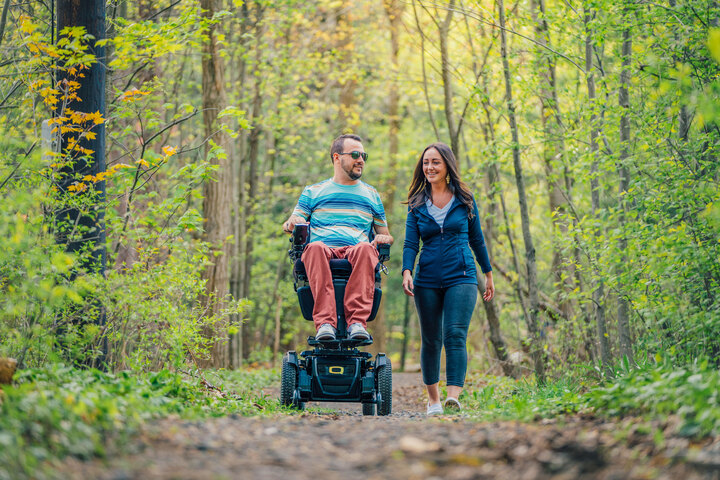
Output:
[[52, 413], [658, 390], [502, 398]]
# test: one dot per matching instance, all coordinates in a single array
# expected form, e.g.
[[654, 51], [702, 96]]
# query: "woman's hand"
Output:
[[489, 287], [408, 283]]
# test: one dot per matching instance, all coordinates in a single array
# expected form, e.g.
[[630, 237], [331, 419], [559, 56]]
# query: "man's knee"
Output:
[[363, 251], [316, 248]]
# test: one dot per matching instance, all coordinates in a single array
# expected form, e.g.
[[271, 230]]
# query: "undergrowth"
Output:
[[502, 398], [654, 390], [659, 389], [60, 411]]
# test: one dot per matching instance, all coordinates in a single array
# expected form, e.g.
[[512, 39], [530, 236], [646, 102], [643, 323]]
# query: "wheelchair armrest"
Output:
[[383, 252]]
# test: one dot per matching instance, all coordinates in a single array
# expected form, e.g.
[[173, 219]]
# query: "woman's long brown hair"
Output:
[[420, 189]]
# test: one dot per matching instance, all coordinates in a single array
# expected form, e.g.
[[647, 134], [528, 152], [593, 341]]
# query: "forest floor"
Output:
[[338, 442]]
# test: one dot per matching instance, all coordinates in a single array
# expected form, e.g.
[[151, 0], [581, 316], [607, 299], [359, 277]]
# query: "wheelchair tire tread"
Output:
[[288, 382], [384, 374]]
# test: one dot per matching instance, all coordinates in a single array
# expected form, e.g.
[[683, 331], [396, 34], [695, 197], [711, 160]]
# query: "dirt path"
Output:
[[405, 445]]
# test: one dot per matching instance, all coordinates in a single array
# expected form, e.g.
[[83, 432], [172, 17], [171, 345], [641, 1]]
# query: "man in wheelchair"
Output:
[[347, 221]]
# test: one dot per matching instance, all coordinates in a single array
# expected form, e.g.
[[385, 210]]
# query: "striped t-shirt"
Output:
[[341, 215]]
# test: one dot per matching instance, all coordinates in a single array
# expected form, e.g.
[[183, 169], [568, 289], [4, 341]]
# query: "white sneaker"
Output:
[[325, 332], [358, 332], [434, 409], [452, 404]]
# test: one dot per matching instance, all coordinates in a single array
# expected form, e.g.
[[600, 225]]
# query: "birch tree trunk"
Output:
[[536, 348]]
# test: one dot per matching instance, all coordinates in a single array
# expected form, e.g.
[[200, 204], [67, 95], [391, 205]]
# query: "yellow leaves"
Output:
[[132, 95], [80, 118], [69, 129], [58, 120], [26, 25], [169, 151], [96, 118], [102, 176], [143, 162], [77, 187]]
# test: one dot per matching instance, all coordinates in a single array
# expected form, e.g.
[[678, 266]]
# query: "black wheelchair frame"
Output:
[[335, 370]]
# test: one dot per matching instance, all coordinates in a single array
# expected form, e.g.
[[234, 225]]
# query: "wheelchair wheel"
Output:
[[288, 382], [384, 379], [368, 408]]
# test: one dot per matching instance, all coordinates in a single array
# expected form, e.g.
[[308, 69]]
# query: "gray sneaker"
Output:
[[358, 332], [325, 332]]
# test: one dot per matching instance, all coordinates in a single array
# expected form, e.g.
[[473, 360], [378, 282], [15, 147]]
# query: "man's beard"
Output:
[[351, 173]]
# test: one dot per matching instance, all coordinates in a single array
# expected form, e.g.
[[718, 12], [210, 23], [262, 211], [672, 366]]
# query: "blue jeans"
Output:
[[445, 315]]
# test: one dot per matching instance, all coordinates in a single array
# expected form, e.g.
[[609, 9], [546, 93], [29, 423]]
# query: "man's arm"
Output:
[[382, 235], [291, 222]]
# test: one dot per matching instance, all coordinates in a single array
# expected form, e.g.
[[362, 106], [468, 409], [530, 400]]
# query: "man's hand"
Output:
[[382, 235], [291, 222], [382, 239]]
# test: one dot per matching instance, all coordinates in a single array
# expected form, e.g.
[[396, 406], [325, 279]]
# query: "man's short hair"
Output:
[[339, 143]]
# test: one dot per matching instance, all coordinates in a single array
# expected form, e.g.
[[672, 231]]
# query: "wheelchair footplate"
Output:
[[340, 344]]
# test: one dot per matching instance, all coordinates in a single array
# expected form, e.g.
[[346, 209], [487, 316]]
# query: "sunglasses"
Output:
[[355, 155]]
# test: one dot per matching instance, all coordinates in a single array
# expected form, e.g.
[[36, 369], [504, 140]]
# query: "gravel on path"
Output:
[[341, 443]]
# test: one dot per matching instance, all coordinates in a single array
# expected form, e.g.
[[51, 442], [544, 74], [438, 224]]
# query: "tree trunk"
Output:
[[347, 118], [444, 29], [75, 229], [393, 10], [252, 177], [217, 194], [553, 152], [424, 73], [493, 187], [624, 101], [82, 230], [597, 283], [536, 348]]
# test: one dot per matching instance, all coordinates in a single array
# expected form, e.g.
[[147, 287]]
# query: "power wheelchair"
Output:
[[335, 370]]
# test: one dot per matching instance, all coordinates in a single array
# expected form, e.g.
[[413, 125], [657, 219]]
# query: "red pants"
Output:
[[360, 287]]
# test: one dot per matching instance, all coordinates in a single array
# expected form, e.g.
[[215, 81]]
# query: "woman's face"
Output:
[[434, 166]]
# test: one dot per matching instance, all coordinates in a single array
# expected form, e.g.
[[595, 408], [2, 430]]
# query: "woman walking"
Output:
[[443, 214]]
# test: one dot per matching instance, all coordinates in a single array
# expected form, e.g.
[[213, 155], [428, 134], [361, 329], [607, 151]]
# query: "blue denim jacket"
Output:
[[445, 259]]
